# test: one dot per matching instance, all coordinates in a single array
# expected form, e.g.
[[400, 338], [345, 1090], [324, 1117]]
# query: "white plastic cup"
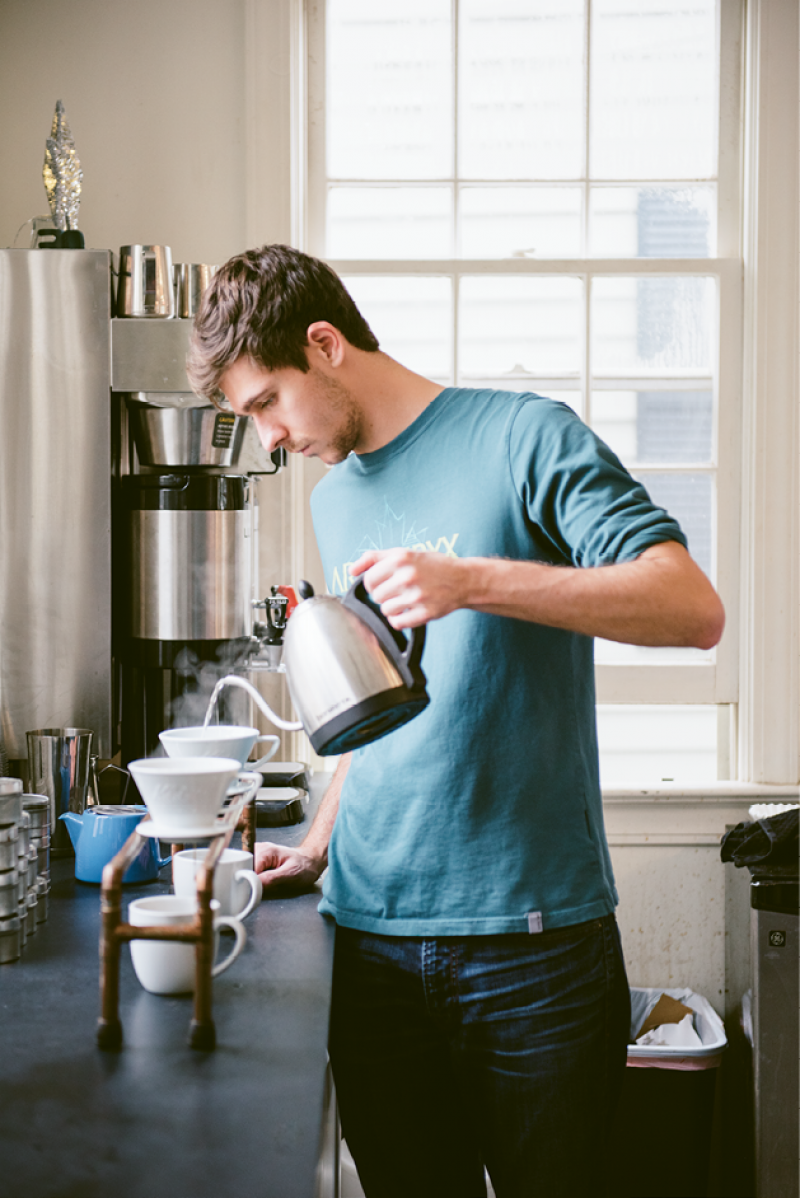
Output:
[[168, 967], [237, 887]]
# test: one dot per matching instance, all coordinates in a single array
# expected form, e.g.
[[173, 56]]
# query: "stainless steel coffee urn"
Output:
[[185, 553], [184, 595]]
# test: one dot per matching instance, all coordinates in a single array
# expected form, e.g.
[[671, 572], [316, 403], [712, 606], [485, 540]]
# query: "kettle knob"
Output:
[[305, 589]]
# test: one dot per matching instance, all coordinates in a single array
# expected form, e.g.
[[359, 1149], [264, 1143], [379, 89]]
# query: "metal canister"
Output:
[[33, 902], [9, 893], [23, 837], [43, 851], [10, 940], [38, 808], [10, 801], [22, 915], [8, 846], [43, 887], [33, 865]]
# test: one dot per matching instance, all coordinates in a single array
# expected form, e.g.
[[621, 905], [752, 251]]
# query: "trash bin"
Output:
[[661, 1141]]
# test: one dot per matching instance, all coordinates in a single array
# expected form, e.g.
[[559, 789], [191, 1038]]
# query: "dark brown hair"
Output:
[[259, 305]]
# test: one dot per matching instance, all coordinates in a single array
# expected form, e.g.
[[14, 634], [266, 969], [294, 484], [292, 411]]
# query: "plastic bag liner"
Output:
[[707, 1023]]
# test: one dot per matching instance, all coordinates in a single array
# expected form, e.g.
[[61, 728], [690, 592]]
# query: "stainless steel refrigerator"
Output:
[[55, 505]]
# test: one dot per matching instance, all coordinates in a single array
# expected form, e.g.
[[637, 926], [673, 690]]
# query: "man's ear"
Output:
[[326, 340]]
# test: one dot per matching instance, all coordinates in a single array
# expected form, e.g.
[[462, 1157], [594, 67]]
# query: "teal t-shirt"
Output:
[[483, 814]]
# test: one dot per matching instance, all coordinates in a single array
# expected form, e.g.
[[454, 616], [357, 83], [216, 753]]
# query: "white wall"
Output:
[[155, 95]]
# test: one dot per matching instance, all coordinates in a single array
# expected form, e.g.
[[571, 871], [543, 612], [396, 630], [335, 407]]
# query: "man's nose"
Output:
[[270, 434]]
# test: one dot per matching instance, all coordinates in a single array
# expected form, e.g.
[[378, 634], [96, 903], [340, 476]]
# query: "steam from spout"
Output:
[[235, 680]]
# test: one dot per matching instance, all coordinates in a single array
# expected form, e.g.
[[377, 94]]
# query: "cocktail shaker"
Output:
[[191, 280], [58, 768], [145, 285]]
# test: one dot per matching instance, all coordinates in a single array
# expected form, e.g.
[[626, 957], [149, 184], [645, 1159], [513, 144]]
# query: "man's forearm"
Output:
[[316, 843], [661, 598]]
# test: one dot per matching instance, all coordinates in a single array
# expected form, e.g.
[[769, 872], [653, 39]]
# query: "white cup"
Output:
[[236, 887], [185, 793], [168, 967], [218, 740]]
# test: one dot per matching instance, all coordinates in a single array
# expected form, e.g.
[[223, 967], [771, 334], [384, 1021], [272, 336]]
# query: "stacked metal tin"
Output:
[[10, 882], [24, 866], [37, 808]]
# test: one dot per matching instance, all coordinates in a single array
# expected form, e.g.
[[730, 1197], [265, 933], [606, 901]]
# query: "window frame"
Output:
[[706, 682]]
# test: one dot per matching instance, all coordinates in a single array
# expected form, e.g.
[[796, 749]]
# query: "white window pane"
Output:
[[389, 104], [519, 324], [653, 89], [412, 317], [652, 222], [607, 653], [667, 427], [657, 323], [642, 746], [498, 222], [521, 89], [390, 222]]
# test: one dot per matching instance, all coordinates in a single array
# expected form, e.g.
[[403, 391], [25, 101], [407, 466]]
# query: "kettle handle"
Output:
[[405, 652]]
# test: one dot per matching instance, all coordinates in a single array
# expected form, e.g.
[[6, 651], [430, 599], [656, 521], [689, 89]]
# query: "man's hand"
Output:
[[412, 588], [279, 866], [282, 868]]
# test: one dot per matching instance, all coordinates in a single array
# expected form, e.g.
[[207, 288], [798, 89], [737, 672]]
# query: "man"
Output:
[[480, 1007]]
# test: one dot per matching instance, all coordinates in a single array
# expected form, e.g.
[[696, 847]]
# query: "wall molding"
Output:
[[769, 717]]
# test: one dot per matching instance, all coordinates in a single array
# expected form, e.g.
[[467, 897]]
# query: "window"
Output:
[[530, 194]]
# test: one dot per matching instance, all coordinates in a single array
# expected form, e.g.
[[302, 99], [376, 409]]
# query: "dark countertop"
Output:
[[159, 1119]]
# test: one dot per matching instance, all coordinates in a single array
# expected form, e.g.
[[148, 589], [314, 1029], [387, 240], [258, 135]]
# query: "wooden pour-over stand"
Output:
[[113, 933]]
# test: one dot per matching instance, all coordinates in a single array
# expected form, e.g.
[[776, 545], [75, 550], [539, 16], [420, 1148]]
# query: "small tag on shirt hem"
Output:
[[535, 922]]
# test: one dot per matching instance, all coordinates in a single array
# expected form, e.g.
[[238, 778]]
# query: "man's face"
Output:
[[308, 413]]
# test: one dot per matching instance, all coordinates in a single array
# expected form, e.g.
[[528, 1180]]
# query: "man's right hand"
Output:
[[279, 866]]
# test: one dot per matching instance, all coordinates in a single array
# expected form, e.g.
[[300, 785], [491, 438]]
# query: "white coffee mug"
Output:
[[168, 967], [219, 740], [236, 887]]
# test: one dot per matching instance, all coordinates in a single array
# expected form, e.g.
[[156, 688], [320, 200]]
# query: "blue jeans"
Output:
[[458, 1052]]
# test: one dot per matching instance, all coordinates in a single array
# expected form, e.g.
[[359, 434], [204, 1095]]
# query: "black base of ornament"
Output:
[[52, 239]]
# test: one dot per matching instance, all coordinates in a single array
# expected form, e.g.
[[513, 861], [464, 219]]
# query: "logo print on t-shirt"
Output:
[[391, 532]]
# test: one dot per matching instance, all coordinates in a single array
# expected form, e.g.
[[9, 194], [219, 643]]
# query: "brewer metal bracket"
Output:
[[200, 932]]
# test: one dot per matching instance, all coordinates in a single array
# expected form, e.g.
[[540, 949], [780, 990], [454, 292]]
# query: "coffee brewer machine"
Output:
[[184, 536], [127, 517]]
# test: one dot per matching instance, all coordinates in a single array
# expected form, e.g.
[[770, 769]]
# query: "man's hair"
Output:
[[259, 305]]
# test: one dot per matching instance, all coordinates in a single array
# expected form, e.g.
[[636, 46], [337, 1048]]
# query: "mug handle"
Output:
[[256, 889], [237, 927], [256, 765]]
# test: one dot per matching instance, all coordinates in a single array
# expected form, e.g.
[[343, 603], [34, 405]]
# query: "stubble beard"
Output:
[[347, 433]]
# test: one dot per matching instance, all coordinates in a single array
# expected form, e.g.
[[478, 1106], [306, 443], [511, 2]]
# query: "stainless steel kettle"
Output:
[[352, 677]]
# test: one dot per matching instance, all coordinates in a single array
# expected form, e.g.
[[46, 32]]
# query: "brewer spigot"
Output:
[[267, 650]]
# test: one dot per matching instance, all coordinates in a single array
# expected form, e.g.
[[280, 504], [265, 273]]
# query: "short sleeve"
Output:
[[577, 492]]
